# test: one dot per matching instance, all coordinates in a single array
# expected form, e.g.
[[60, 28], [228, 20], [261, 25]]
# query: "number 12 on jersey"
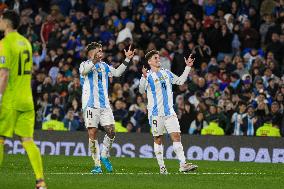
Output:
[[23, 65]]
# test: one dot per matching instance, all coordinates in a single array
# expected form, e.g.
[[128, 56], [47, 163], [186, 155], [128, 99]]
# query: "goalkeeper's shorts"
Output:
[[16, 122]]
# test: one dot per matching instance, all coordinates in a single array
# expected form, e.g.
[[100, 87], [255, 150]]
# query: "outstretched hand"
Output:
[[144, 72], [129, 53], [189, 62]]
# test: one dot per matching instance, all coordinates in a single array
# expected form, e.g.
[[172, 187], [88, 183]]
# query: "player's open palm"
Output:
[[129, 53], [189, 62]]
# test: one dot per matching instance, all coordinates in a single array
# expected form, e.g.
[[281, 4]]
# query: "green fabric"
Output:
[[35, 158], [119, 128], [212, 129], [268, 130], [16, 55], [53, 125]]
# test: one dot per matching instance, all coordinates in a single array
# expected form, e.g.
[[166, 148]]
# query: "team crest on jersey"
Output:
[[163, 78], [99, 70], [2, 59]]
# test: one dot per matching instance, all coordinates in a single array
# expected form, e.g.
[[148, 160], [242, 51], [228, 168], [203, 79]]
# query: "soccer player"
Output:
[[95, 75], [157, 83], [17, 109]]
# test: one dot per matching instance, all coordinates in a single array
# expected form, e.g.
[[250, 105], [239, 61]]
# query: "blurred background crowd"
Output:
[[237, 83]]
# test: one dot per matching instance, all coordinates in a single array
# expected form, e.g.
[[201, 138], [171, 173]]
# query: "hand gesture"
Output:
[[129, 54], [144, 71], [189, 62]]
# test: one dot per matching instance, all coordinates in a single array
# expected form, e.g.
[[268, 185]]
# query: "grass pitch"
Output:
[[74, 173]]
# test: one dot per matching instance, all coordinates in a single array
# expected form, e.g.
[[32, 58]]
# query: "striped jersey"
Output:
[[158, 86], [236, 119], [95, 83]]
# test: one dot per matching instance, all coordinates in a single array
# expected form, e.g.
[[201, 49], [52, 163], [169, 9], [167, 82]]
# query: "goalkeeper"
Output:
[[16, 102]]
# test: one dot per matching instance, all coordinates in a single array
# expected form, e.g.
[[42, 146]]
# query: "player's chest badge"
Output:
[[99, 70]]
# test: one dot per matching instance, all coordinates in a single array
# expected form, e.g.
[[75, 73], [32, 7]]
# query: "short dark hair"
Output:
[[13, 17], [150, 54], [242, 103], [235, 75], [93, 46], [53, 117]]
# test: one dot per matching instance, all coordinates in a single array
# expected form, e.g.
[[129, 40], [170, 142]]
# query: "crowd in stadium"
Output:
[[237, 82]]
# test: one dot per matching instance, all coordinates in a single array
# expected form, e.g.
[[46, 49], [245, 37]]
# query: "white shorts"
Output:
[[163, 124], [94, 116]]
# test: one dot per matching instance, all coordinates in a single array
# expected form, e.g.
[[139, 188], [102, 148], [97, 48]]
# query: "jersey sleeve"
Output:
[[181, 79], [4, 56], [118, 71]]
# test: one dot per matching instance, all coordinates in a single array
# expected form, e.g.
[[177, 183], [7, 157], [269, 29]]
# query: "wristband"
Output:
[[126, 61]]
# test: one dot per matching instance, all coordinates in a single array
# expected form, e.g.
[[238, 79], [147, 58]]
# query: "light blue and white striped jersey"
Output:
[[158, 86], [236, 119], [95, 83], [250, 126]]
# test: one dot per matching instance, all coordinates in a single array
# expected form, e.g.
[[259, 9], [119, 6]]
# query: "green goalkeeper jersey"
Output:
[[16, 56]]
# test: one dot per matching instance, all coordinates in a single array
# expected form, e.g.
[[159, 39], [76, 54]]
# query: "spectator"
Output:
[[126, 33], [53, 124], [70, 123], [119, 113], [276, 115], [187, 116], [268, 129], [46, 28], [37, 59], [237, 119], [212, 129], [250, 122], [275, 47], [249, 36], [197, 124], [202, 52], [224, 43]]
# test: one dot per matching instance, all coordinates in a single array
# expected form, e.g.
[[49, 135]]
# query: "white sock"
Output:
[[107, 143], [159, 152], [95, 151], [178, 148]]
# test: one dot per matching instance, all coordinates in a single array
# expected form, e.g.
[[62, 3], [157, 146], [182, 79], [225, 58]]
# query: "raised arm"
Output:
[[181, 79], [43, 54], [121, 68], [143, 81]]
